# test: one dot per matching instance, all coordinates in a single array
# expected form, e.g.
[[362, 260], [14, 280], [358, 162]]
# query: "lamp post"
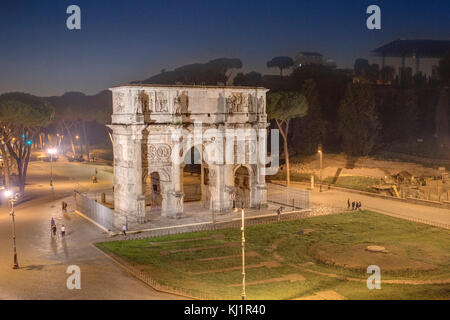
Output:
[[79, 143], [319, 150], [12, 199], [244, 297], [51, 152]]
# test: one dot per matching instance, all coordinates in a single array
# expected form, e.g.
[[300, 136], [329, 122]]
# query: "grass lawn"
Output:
[[331, 250]]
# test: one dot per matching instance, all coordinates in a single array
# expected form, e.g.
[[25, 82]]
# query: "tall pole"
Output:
[[244, 297], [51, 169], [11, 202], [320, 172]]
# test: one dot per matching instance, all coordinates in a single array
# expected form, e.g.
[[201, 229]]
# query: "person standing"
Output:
[[348, 204], [52, 228], [353, 205], [359, 205], [63, 231], [124, 230]]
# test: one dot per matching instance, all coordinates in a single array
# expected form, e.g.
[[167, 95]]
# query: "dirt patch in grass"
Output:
[[268, 264], [234, 256], [323, 295], [289, 277], [359, 258]]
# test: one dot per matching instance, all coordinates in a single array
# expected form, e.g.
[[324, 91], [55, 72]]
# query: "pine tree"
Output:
[[442, 117], [358, 121], [310, 130]]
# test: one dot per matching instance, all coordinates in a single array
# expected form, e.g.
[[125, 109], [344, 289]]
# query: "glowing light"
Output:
[[8, 193], [52, 151]]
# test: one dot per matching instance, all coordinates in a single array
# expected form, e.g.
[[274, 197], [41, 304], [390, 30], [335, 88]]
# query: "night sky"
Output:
[[122, 41]]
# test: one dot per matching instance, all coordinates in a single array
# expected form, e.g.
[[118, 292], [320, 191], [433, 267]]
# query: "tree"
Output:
[[250, 79], [21, 116], [407, 113], [387, 75], [444, 70], [67, 119], [214, 72], [283, 107], [281, 63], [367, 73], [442, 117], [358, 121], [310, 130], [360, 67]]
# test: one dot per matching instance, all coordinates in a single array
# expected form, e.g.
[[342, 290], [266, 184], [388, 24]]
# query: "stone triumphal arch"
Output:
[[160, 131]]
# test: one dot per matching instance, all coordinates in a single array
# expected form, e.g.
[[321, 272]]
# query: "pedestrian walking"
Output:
[[63, 231], [279, 213], [348, 204], [124, 230], [52, 227], [353, 205], [359, 205]]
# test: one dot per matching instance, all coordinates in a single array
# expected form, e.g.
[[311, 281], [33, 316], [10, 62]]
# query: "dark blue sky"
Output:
[[121, 41]]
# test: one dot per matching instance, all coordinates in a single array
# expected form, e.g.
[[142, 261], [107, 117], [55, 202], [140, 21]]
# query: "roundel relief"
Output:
[[160, 152], [152, 152], [163, 151]]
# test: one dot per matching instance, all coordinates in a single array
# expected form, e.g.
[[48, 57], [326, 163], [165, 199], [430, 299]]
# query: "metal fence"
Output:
[[94, 210], [290, 198]]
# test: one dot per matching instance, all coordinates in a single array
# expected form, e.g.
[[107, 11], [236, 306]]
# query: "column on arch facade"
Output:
[[129, 200]]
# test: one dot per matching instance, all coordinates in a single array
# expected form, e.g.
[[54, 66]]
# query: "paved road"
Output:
[[336, 200], [44, 260]]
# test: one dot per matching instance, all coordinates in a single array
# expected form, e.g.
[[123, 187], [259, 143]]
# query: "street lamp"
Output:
[[12, 199], [244, 297], [79, 143], [51, 152], [319, 150]]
